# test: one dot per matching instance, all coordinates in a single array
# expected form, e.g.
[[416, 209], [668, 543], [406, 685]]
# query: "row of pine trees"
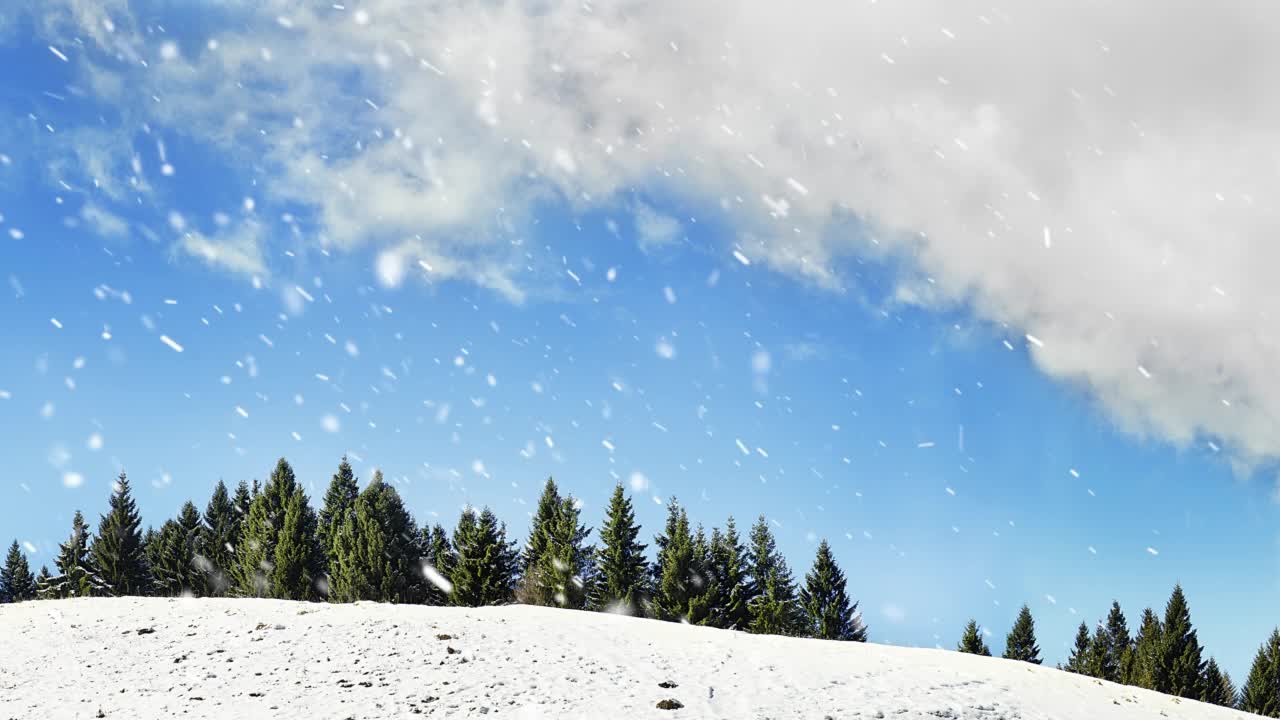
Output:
[[1165, 656], [267, 541]]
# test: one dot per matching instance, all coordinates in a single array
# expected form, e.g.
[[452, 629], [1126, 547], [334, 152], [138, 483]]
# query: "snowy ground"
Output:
[[157, 658]]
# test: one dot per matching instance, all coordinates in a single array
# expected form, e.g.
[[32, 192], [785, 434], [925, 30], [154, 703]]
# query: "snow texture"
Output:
[[152, 658]]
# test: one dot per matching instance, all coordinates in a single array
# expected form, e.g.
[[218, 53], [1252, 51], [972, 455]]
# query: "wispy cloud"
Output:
[[1070, 171]]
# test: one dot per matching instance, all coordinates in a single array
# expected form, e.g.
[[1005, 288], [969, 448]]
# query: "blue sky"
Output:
[[484, 313]]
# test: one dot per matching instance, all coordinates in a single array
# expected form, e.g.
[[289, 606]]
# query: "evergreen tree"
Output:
[[774, 610], [703, 589], [74, 568], [971, 641], [340, 497], [823, 597], [1261, 692], [401, 581], [1119, 645], [44, 584], [358, 566], [1181, 668], [561, 564], [16, 581], [278, 554], [117, 555], [1078, 661], [1216, 686], [241, 502], [622, 584], [1021, 642], [1145, 668], [735, 589], [485, 563], [218, 539], [1098, 663], [548, 507], [437, 565], [173, 563], [675, 566]]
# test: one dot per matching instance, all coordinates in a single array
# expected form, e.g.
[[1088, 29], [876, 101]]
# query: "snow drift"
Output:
[[153, 658]]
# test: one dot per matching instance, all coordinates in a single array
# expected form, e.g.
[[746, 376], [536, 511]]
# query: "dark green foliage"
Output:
[[734, 588], [173, 560], [74, 569], [485, 563], [1119, 645], [278, 554], [548, 506], [1078, 661], [376, 550], [1181, 668], [16, 581], [823, 597], [774, 610], [1021, 642], [437, 566], [1098, 662], [561, 565], [43, 582], [971, 641], [1216, 686], [218, 539], [120, 566], [703, 590], [338, 499], [241, 501], [1145, 668], [676, 568], [621, 582], [1261, 692]]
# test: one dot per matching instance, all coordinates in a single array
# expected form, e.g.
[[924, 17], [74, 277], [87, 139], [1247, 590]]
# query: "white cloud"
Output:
[[237, 249], [952, 133], [654, 229], [104, 222]]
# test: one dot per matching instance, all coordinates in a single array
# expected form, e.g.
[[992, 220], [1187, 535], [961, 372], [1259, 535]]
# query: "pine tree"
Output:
[[1119, 645], [623, 583], [74, 568], [117, 555], [340, 497], [1098, 663], [173, 563], [485, 563], [971, 641], [1216, 686], [675, 566], [561, 564], [1078, 662], [735, 589], [774, 610], [1261, 692], [278, 554], [823, 597], [548, 505], [401, 581], [358, 565], [1181, 668], [218, 539], [44, 584], [1021, 642], [16, 581], [241, 502], [437, 565], [1145, 668], [703, 590]]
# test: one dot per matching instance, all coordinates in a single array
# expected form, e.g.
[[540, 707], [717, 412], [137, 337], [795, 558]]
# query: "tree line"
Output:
[[267, 541], [1165, 656]]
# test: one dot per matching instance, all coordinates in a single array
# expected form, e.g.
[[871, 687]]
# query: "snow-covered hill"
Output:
[[246, 659]]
